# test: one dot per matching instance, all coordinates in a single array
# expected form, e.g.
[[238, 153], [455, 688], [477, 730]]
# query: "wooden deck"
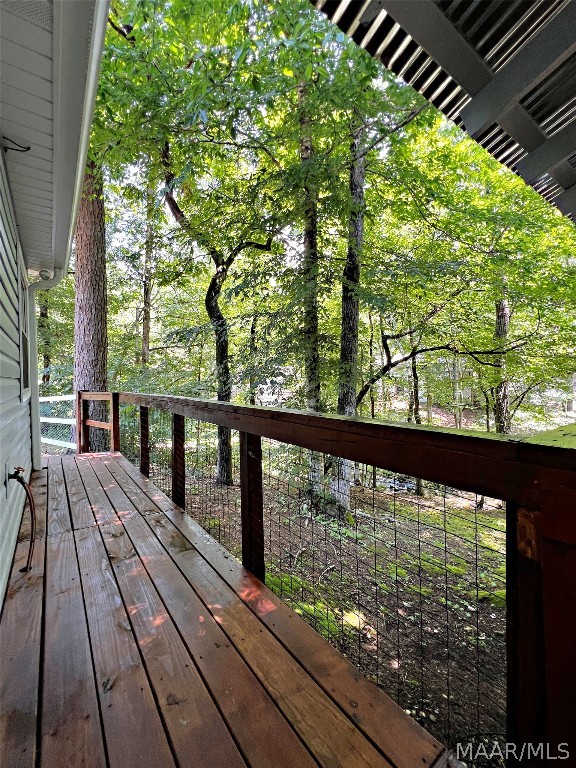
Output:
[[137, 641]]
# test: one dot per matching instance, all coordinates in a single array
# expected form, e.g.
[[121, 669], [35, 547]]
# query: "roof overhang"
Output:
[[504, 71], [50, 53]]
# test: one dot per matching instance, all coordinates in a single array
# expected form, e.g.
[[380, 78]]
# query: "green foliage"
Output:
[[200, 100]]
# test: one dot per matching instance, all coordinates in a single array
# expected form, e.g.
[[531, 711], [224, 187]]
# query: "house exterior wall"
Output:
[[15, 442]]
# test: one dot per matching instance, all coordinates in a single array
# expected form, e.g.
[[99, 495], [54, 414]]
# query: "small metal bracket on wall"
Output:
[[17, 475]]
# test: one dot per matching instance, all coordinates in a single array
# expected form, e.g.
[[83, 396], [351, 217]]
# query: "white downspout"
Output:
[[39, 285]]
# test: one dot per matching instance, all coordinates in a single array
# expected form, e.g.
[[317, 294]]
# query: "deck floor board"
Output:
[[20, 640], [154, 647]]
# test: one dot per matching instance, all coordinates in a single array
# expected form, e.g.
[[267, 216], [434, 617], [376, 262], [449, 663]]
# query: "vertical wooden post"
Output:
[[178, 461], [79, 425], [558, 558], [526, 694], [541, 574], [252, 504], [82, 429], [115, 421], [144, 440]]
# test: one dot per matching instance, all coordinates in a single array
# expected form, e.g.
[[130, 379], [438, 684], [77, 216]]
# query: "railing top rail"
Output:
[[502, 467], [55, 398], [94, 395]]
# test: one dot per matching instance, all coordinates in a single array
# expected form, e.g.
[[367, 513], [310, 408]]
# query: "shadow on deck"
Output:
[[136, 640]]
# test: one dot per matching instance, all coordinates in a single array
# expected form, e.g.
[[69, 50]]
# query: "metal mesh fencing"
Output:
[[405, 578], [161, 450], [130, 432], [215, 506]]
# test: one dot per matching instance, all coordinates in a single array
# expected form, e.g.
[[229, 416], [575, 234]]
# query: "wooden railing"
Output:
[[83, 422], [537, 481]]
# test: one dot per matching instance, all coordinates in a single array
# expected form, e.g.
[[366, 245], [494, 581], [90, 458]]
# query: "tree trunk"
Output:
[[416, 392], [372, 395], [217, 319], [44, 339], [253, 384], [350, 314], [415, 400], [90, 310], [224, 381], [457, 395], [501, 392], [310, 267], [147, 278]]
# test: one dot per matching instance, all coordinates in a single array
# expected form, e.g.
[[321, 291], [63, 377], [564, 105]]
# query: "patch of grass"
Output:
[[328, 618], [496, 598], [457, 570], [423, 591], [285, 585]]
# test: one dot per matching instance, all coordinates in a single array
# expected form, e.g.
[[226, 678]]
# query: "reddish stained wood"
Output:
[[58, 513], [20, 631], [96, 395], [399, 737], [98, 424], [526, 693], [323, 727], [144, 440], [220, 664], [132, 726], [178, 461], [115, 422], [70, 729], [496, 466], [252, 504], [197, 731], [80, 508], [265, 737], [101, 507], [81, 415], [143, 504], [558, 559], [117, 500]]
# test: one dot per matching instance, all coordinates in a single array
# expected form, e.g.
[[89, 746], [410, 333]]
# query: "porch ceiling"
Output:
[[49, 55], [504, 70]]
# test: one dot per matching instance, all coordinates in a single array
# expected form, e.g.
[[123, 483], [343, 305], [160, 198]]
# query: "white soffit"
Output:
[[505, 70], [49, 58]]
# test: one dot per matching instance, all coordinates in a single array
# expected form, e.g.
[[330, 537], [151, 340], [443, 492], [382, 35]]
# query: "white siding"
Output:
[[15, 446]]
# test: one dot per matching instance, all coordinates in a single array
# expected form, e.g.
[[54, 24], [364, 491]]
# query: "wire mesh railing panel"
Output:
[[406, 578], [57, 424], [214, 505], [130, 432], [161, 450]]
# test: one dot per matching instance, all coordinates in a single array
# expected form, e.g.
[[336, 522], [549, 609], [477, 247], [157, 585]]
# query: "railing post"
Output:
[[558, 562], [526, 690], [144, 440], [252, 504], [82, 433], [178, 461], [115, 421]]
